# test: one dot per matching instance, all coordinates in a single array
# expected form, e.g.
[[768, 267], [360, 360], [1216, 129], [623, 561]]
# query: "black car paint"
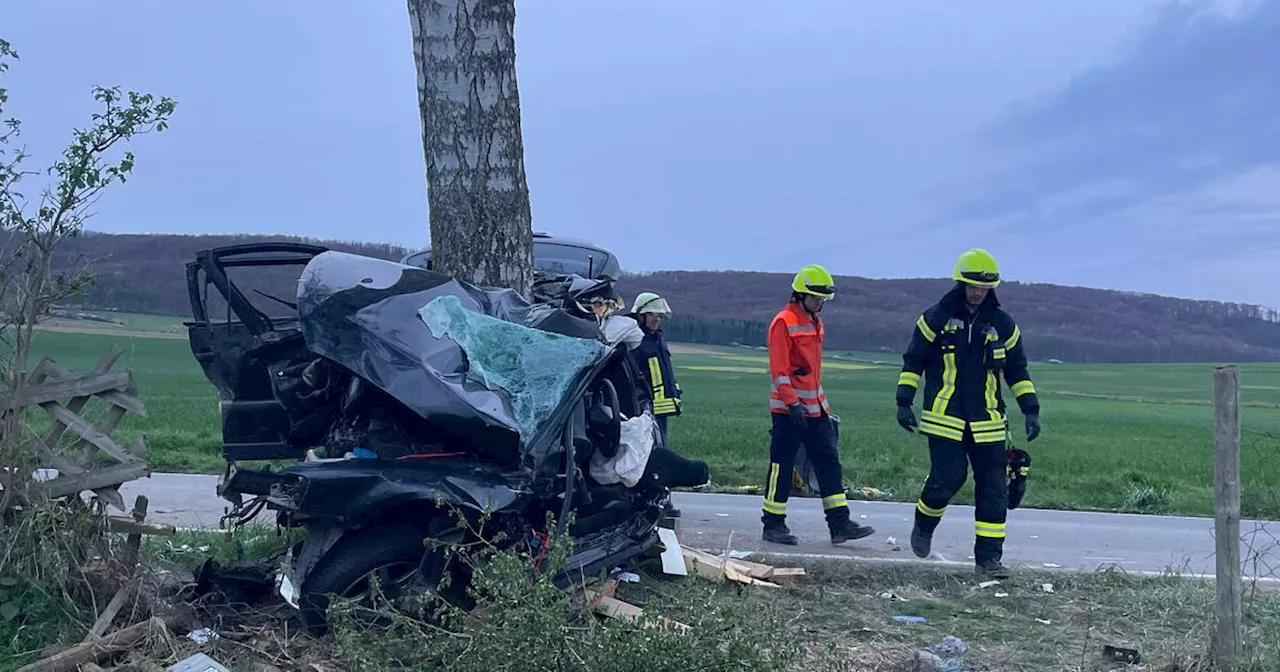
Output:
[[249, 355]]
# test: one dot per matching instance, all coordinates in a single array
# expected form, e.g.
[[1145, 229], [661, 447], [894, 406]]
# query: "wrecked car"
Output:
[[399, 395]]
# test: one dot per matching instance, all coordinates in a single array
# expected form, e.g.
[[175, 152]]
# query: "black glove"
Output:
[[906, 418], [796, 411], [1033, 426]]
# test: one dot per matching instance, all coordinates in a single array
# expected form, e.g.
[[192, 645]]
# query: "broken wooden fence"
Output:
[[78, 465]]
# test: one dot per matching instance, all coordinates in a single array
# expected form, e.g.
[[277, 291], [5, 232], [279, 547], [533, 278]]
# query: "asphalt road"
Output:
[[1066, 540]]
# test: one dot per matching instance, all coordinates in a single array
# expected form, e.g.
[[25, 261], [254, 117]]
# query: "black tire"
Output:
[[395, 550]]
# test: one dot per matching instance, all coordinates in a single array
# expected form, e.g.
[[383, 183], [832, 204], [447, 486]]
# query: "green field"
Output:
[[1117, 437]]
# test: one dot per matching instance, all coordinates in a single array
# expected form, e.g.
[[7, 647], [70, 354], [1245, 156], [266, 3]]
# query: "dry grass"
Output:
[[846, 624]]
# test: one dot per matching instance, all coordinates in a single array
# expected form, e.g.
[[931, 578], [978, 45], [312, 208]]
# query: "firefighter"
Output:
[[961, 346], [800, 412], [654, 358]]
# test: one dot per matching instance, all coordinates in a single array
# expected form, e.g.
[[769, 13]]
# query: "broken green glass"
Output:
[[534, 367]]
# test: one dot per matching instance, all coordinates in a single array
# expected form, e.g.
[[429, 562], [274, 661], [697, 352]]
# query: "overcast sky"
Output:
[[1131, 144]]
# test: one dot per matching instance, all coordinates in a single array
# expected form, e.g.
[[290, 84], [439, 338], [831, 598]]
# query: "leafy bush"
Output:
[[523, 622]]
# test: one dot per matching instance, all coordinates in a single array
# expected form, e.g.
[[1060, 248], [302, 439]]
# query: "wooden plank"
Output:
[[109, 614], [133, 543], [787, 576], [48, 368], [88, 432], [615, 608], [1228, 640], [87, 386], [709, 567], [124, 525], [93, 479], [88, 652]]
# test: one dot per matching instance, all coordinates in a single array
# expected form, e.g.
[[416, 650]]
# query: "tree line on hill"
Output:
[[145, 273]]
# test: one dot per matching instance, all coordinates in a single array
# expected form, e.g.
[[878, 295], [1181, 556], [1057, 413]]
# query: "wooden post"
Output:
[[1228, 643]]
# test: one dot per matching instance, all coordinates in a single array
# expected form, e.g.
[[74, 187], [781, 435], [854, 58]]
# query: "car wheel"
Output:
[[391, 554]]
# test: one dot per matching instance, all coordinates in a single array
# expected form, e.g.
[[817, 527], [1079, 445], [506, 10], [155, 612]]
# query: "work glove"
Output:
[[796, 412], [907, 418], [1033, 426]]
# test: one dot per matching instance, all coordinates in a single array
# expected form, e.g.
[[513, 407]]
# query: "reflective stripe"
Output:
[[925, 330], [948, 384], [929, 510], [782, 380], [992, 385], [945, 420], [834, 501], [989, 437], [771, 505], [662, 404], [1013, 338], [988, 425], [941, 432], [1022, 387], [909, 379], [808, 394], [777, 403], [801, 329], [997, 353], [989, 530]]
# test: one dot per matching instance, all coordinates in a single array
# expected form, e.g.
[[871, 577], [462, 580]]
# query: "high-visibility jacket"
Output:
[[654, 359], [795, 361], [961, 357]]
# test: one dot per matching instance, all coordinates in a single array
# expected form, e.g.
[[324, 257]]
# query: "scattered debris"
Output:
[[1045, 621], [888, 595], [988, 584], [950, 646], [1002, 595], [927, 661], [198, 663], [1052, 565], [1116, 654], [1046, 587], [88, 652], [202, 636], [603, 602], [910, 619]]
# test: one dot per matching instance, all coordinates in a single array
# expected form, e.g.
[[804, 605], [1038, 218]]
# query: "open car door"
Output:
[[245, 318]]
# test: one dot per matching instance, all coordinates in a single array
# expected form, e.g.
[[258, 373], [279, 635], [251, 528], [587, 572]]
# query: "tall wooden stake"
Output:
[[1228, 643]]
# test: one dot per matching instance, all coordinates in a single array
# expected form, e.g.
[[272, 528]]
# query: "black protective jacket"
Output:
[[961, 357], [654, 359]]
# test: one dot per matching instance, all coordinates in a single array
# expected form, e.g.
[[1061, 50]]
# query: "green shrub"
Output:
[[523, 622]]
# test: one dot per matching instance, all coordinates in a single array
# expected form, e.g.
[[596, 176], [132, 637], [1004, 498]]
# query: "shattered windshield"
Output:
[[534, 367]]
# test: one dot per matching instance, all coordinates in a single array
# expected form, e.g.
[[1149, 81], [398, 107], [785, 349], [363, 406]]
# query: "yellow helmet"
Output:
[[814, 279], [977, 267]]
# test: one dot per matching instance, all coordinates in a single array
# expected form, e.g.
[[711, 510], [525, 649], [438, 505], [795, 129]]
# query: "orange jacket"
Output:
[[795, 361]]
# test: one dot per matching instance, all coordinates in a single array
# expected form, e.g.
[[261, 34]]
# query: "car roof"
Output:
[[541, 237]]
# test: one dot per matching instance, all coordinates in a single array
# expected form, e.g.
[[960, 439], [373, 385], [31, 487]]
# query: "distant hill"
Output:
[[145, 274]]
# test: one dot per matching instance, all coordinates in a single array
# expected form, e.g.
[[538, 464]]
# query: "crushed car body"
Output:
[[397, 393]]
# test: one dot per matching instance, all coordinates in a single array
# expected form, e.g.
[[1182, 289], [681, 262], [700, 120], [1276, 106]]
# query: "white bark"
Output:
[[481, 226]]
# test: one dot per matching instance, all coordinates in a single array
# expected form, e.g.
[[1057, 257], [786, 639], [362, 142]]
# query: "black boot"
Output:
[[843, 530], [921, 543], [992, 568], [669, 510], [776, 531]]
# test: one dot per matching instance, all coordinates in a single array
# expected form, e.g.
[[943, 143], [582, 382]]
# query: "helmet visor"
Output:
[[825, 290], [980, 276]]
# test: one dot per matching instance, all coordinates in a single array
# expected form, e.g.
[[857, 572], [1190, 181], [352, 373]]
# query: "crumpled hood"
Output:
[[483, 366]]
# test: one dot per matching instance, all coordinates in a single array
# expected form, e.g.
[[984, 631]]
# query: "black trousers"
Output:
[[820, 441], [949, 463]]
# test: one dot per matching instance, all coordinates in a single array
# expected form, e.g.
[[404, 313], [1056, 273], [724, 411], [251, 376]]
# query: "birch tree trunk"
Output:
[[481, 226]]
